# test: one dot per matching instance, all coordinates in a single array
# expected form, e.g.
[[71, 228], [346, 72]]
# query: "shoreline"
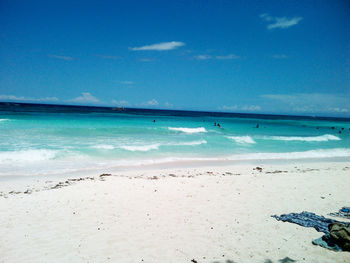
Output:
[[151, 164], [209, 214]]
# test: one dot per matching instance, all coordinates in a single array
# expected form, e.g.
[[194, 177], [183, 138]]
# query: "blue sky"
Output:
[[281, 57]]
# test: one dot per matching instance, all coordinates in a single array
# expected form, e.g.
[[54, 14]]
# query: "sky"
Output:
[[278, 57]]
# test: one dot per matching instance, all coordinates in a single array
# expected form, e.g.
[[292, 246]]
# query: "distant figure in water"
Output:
[[219, 125], [214, 123], [154, 120], [257, 126]]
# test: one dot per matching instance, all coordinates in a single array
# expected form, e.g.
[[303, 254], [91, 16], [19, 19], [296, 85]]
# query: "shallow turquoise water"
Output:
[[44, 141]]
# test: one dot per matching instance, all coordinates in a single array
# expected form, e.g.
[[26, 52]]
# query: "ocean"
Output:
[[51, 139]]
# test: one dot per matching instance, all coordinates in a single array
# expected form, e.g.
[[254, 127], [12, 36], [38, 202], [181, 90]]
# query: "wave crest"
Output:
[[189, 143], [242, 139], [188, 130], [103, 146], [140, 148], [27, 155], [321, 138]]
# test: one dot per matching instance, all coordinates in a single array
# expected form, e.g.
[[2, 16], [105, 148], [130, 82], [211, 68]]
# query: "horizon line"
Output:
[[178, 110]]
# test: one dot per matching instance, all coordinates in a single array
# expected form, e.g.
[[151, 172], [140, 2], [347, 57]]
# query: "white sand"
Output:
[[213, 216]]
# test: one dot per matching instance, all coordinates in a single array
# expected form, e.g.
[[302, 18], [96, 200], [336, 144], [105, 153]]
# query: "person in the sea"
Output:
[[214, 123], [219, 125], [154, 120], [257, 126]]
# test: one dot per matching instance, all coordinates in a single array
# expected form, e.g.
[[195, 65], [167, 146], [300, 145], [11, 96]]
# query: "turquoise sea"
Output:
[[48, 139]]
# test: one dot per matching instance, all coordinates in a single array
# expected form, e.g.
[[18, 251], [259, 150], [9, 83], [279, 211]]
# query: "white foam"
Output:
[[189, 143], [141, 148], [22, 162], [242, 139], [4, 120], [27, 155], [188, 130], [312, 154], [322, 138], [103, 146], [322, 153]]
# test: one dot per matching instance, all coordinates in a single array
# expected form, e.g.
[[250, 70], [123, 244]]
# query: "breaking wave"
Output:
[[322, 138], [188, 130], [141, 148], [312, 154], [103, 146], [189, 143], [242, 139], [27, 155]]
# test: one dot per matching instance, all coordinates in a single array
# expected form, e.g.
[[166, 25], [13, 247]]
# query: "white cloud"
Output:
[[67, 58], [310, 102], [15, 98], [202, 57], [225, 57], [160, 46], [168, 105], [251, 108], [120, 103], [85, 97], [230, 56], [230, 108], [146, 59], [281, 97], [340, 110], [152, 102], [266, 17], [244, 108], [280, 22]]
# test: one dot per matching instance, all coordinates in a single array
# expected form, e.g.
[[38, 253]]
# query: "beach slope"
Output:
[[204, 214]]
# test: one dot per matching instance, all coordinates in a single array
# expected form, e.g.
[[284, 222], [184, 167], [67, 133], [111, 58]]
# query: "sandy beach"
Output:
[[204, 214]]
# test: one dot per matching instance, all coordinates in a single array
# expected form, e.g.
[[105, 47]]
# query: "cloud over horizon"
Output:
[[163, 46], [150, 103], [280, 22], [310, 102], [245, 108], [85, 97], [120, 102], [15, 98]]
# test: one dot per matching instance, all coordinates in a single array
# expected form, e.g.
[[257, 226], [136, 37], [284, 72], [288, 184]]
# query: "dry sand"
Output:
[[207, 214]]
